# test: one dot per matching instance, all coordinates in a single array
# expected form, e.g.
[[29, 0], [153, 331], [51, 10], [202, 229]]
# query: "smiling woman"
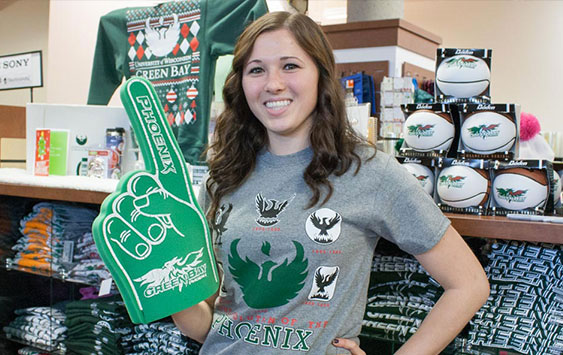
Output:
[[280, 84], [298, 182]]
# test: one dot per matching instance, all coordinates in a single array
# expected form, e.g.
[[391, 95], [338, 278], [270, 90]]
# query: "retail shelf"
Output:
[[500, 227], [16, 182], [94, 191]]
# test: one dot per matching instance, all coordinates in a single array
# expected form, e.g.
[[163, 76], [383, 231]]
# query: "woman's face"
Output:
[[280, 85]]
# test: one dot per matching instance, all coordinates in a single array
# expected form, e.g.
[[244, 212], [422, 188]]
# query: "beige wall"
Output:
[[527, 42], [24, 28]]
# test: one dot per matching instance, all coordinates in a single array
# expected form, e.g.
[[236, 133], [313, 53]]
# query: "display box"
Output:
[[522, 187], [488, 131], [429, 131], [463, 186], [87, 126], [423, 169], [463, 75]]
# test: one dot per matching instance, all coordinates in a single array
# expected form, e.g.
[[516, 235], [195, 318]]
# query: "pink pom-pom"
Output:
[[529, 126]]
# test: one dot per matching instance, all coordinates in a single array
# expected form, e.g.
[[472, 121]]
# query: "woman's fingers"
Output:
[[349, 345]]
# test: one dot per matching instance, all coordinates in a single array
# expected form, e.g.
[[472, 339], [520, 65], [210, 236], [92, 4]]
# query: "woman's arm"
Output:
[[195, 322], [458, 271]]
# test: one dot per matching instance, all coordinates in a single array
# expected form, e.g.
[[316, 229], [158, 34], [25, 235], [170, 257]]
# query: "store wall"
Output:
[[24, 28], [527, 42], [525, 36]]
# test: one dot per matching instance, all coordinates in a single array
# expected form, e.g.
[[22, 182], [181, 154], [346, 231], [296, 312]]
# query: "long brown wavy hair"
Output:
[[239, 136]]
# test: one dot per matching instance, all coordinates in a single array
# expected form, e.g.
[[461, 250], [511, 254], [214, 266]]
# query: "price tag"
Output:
[[105, 287]]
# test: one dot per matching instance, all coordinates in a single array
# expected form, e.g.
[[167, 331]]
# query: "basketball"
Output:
[[463, 76], [488, 132], [425, 131], [519, 188], [462, 186], [423, 174]]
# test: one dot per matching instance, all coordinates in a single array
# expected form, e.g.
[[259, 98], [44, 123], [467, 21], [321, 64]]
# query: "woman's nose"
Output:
[[275, 82]]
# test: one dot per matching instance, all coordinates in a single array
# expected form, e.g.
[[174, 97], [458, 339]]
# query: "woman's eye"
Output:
[[255, 70], [290, 66]]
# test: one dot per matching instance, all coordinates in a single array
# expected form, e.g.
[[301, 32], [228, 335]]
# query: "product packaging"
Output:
[[488, 131], [99, 163], [429, 131], [523, 187], [463, 75], [463, 186], [423, 169]]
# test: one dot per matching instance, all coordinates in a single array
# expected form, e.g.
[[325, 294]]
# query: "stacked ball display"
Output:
[[463, 186], [518, 188], [488, 132], [425, 131], [463, 76]]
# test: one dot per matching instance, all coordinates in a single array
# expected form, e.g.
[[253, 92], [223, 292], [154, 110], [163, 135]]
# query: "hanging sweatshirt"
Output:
[[175, 46]]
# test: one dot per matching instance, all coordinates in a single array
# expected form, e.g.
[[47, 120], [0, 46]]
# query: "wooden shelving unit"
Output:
[[499, 227], [52, 193], [493, 227]]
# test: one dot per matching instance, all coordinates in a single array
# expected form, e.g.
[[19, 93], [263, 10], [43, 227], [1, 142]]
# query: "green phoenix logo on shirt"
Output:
[[421, 130], [269, 284], [511, 194], [452, 181]]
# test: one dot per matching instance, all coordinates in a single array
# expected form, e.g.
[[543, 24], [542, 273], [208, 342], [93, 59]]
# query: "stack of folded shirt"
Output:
[[158, 338], [96, 326], [12, 209], [88, 266], [41, 327], [524, 311], [49, 234], [400, 295]]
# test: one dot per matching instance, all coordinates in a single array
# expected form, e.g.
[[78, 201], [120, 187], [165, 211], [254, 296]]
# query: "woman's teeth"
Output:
[[277, 104]]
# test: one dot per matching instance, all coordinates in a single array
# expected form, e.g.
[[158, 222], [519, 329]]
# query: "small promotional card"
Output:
[[58, 154], [489, 131], [429, 131], [42, 149], [463, 186], [423, 169], [522, 187], [463, 75]]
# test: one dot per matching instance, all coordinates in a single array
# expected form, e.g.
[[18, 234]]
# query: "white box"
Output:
[[83, 121]]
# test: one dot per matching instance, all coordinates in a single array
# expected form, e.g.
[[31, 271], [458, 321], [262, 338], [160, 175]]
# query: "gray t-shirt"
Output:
[[295, 278]]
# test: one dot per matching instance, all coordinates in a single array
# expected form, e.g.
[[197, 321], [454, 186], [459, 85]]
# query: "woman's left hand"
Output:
[[349, 345]]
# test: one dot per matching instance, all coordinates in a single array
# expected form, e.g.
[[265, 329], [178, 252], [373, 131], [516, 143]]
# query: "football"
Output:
[[519, 188], [488, 132], [425, 131], [463, 76], [462, 186], [423, 174]]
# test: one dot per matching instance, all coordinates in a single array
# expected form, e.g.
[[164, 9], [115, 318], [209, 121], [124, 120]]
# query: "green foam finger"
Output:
[[151, 233]]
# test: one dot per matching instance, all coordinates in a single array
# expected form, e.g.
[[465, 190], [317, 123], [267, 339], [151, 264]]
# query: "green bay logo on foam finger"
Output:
[[488, 132], [462, 186], [463, 76], [151, 233], [425, 131], [519, 188]]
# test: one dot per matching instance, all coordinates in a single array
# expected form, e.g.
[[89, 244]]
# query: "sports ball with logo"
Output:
[[488, 132], [519, 188], [425, 130], [463, 76], [423, 174], [462, 186]]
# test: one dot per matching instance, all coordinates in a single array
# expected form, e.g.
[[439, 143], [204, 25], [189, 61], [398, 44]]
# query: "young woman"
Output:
[[298, 202]]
